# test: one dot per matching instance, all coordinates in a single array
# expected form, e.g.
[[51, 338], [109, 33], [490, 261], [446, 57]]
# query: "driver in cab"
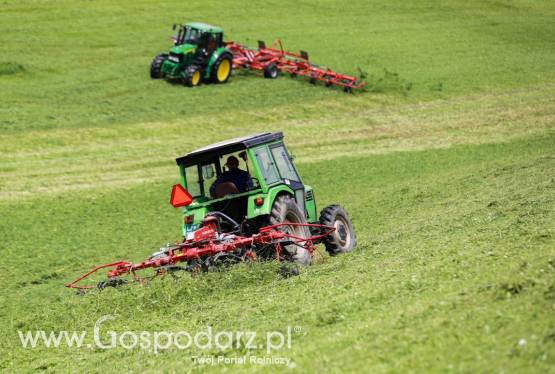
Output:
[[232, 181]]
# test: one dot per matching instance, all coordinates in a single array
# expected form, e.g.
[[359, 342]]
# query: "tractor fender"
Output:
[[215, 55], [266, 208], [310, 204]]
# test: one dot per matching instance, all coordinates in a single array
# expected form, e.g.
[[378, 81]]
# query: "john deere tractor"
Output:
[[268, 192], [199, 54]]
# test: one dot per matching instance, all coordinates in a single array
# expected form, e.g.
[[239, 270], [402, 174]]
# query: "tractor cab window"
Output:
[[209, 176], [191, 36], [266, 164], [208, 42], [223, 175], [193, 181], [234, 177], [284, 165], [199, 178]]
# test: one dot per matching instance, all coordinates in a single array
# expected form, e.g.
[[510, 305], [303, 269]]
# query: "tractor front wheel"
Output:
[[221, 70], [156, 66], [192, 76], [343, 239], [285, 210], [271, 71]]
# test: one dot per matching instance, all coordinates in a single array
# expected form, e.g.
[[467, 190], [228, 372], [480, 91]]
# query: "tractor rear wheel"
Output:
[[221, 70], [285, 210], [192, 76], [271, 71], [343, 239], [156, 66]]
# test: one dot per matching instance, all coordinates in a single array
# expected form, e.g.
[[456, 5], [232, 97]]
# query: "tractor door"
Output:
[[206, 46], [208, 42], [218, 39], [289, 174]]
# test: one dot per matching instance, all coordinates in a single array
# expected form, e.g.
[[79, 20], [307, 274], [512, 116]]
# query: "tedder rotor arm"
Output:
[[207, 242]]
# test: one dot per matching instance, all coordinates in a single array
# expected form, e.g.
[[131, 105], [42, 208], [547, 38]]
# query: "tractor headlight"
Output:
[[174, 58]]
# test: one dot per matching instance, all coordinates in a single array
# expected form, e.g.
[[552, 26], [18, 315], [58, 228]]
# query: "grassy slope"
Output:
[[450, 187], [98, 52]]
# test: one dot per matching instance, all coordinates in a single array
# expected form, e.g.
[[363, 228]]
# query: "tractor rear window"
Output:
[[193, 180]]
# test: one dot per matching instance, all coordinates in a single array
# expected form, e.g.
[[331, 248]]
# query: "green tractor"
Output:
[[199, 54], [251, 182]]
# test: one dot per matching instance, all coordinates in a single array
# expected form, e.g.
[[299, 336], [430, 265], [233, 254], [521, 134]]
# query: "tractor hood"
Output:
[[183, 48]]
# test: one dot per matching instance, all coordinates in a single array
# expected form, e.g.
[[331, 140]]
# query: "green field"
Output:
[[446, 165]]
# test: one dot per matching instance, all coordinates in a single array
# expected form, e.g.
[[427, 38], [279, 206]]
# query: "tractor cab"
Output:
[[242, 178], [199, 35]]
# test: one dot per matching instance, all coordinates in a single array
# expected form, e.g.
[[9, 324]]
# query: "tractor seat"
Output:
[[226, 188]]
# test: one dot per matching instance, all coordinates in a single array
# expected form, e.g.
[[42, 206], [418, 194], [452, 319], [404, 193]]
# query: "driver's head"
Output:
[[232, 162]]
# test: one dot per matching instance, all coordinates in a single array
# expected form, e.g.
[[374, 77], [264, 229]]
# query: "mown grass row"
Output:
[[54, 162]]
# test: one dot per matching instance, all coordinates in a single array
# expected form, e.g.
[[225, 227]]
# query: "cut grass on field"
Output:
[[446, 166], [454, 266], [57, 161]]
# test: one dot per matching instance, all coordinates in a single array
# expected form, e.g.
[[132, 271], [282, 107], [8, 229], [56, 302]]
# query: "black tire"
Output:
[[156, 66], [285, 209], [271, 71], [192, 76], [214, 73], [344, 238]]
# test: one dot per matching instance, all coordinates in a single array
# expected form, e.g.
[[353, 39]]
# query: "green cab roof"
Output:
[[204, 27]]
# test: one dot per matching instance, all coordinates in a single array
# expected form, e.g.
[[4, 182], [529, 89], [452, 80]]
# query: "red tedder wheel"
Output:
[[271, 71]]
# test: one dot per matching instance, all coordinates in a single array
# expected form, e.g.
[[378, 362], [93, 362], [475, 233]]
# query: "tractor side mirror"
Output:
[[243, 155], [174, 27], [208, 171]]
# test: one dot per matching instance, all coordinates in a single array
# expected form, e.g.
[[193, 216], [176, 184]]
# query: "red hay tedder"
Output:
[[208, 246], [273, 60]]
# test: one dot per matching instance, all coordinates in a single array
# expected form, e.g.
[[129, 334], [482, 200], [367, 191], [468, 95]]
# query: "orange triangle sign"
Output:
[[180, 196]]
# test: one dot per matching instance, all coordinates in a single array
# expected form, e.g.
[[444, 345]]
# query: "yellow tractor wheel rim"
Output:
[[195, 79], [223, 70]]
